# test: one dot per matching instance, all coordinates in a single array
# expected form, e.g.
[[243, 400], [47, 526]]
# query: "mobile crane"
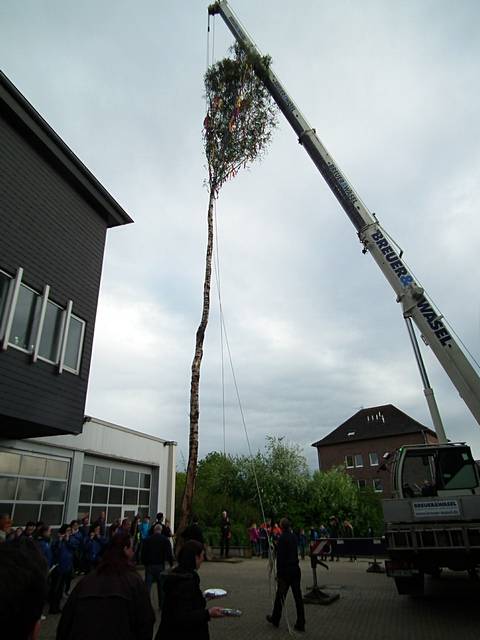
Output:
[[433, 521]]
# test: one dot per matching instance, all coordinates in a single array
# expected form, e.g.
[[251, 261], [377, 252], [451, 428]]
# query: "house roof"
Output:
[[33, 127], [373, 422]]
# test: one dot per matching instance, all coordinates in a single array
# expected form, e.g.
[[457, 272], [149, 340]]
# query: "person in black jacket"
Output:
[[23, 589], [110, 603], [184, 614], [288, 576], [156, 551], [193, 532], [225, 534]]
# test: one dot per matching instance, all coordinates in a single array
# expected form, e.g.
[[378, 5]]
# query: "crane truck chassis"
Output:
[[433, 520]]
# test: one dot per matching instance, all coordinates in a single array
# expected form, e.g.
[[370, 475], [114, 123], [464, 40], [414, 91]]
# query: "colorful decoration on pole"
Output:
[[240, 119]]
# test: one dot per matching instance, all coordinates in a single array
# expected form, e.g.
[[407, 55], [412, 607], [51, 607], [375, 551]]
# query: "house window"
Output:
[[373, 459], [4, 286], [31, 322], [358, 460], [33, 487], [111, 489], [51, 332], [25, 318], [362, 484], [378, 485], [349, 462], [73, 349]]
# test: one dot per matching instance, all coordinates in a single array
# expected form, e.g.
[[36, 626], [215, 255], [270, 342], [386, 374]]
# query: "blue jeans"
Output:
[[153, 573]]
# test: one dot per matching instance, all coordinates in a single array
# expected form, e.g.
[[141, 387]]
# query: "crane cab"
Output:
[[439, 470]]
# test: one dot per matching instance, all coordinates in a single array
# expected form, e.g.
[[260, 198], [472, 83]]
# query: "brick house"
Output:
[[54, 215], [360, 442]]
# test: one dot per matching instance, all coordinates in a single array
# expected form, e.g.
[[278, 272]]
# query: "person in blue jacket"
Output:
[[94, 546], [63, 566], [85, 527], [76, 540], [44, 542], [302, 543]]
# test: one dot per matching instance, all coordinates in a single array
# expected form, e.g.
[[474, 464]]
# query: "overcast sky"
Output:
[[315, 333]]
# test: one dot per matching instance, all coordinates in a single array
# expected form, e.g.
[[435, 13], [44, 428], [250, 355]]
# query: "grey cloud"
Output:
[[314, 328]]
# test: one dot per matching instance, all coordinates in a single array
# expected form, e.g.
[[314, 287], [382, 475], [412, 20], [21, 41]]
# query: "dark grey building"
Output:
[[54, 215]]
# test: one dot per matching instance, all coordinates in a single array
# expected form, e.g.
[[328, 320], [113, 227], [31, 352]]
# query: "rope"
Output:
[[224, 340], [216, 254], [207, 62], [271, 560]]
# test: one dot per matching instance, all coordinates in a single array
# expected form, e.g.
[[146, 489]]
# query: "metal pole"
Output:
[[427, 389]]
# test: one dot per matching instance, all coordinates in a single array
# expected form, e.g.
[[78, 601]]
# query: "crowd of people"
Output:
[[268, 533], [111, 600], [78, 547]]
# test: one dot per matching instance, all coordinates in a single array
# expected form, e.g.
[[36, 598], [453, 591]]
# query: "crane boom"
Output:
[[415, 302]]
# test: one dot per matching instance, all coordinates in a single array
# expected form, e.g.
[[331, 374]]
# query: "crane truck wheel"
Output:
[[436, 573], [411, 586]]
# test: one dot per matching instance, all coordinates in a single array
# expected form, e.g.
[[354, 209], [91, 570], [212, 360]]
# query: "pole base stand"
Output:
[[375, 567], [317, 596]]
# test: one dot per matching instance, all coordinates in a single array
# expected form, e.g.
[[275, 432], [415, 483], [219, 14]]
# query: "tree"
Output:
[[237, 129], [334, 492], [282, 474]]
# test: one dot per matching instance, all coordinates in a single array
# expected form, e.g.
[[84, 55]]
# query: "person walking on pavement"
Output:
[[156, 551], [302, 543], [225, 534], [158, 520], [185, 615], [288, 576], [333, 531], [348, 533]]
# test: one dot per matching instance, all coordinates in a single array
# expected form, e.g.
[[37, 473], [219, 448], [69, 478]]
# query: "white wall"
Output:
[[100, 438]]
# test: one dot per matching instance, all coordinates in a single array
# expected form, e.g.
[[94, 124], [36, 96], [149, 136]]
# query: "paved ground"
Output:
[[368, 608]]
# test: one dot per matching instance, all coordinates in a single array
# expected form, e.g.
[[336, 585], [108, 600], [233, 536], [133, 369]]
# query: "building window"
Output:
[[25, 319], [100, 495], [358, 460], [9, 462], [87, 472], [349, 462], [102, 475], [118, 477], [31, 322], [115, 496], [85, 493], [52, 328], [33, 487], [4, 287], [362, 484], [73, 348], [373, 459], [113, 490], [131, 479], [378, 485]]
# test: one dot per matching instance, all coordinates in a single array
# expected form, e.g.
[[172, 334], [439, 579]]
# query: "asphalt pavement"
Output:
[[368, 608]]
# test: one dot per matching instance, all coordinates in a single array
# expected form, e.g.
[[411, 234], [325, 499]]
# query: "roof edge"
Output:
[[39, 128], [379, 437], [119, 427]]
